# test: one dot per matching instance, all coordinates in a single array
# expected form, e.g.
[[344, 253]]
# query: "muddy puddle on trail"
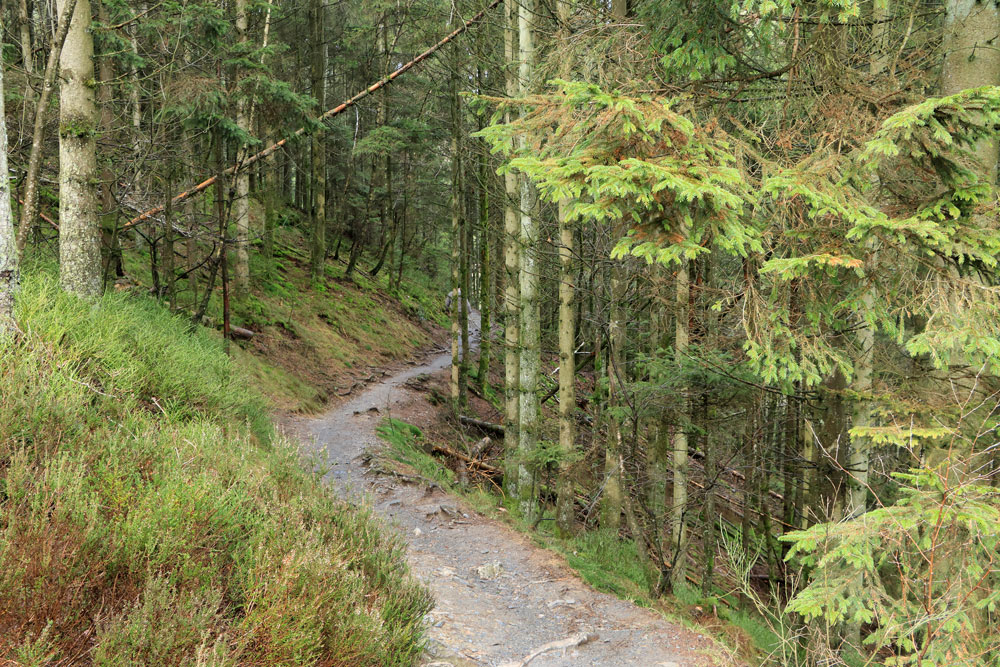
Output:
[[499, 599]]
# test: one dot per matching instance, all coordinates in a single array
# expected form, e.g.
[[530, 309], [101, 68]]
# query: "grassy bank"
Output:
[[150, 515], [313, 339]]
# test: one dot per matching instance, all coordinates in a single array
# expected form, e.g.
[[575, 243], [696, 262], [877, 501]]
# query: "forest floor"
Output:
[[499, 597]]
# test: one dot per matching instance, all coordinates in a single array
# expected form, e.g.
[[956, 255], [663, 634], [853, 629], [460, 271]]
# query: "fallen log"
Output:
[[441, 449], [489, 427], [241, 333]]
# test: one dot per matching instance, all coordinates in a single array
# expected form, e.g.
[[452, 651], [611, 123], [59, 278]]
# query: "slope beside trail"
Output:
[[498, 597]]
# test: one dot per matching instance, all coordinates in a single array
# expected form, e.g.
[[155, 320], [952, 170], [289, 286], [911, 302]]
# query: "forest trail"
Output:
[[498, 597]]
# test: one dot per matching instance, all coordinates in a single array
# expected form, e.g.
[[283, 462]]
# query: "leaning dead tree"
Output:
[[343, 106]]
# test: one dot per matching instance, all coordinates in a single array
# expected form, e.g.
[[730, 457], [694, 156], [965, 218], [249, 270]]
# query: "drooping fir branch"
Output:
[[343, 106]]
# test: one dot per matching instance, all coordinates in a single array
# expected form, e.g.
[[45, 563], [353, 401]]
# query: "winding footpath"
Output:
[[499, 599]]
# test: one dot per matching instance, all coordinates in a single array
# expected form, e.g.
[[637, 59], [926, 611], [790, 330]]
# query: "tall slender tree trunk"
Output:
[[79, 240], [24, 26], [709, 536], [169, 274], [463, 305], [456, 243], [530, 363], [269, 195], [109, 228], [512, 287], [567, 330], [678, 511], [8, 244], [241, 204], [486, 272], [611, 508], [318, 255]]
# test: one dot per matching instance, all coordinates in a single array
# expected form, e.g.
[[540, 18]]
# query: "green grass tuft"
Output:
[[404, 441]]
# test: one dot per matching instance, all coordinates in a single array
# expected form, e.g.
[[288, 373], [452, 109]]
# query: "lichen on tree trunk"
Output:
[[79, 239], [8, 246]]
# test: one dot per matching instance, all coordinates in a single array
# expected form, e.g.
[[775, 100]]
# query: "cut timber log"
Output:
[[241, 333], [489, 427]]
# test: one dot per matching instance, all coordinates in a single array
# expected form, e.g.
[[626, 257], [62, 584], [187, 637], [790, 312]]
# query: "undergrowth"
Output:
[[150, 515]]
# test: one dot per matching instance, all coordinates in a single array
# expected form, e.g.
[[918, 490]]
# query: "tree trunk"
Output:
[[971, 58], [24, 25], [530, 362], [678, 511], [512, 288], [486, 273], [567, 332], [168, 246], [30, 209], [456, 243], [223, 221], [79, 240], [463, 305], [318, 146], [8, 246], [241, 204], [709, 538], [611, 508]]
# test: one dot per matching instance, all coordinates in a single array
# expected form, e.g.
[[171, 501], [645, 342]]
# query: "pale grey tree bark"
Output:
[[530, 362], [241, 204], [79, 239], [8, 243], [24, 25], [512, 287], [678, 511], [972, 56]]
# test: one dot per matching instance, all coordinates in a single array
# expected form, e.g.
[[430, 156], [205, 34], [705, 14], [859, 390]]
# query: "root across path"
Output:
[[500, 600]]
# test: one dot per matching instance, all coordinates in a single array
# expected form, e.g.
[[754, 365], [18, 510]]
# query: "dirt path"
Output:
[[499, 598]]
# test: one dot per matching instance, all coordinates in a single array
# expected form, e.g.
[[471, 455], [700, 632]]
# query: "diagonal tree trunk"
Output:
[[30, 209]]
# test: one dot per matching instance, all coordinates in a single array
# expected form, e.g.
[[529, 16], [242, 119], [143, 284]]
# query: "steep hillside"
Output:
[[149, 513], [315, 341]]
